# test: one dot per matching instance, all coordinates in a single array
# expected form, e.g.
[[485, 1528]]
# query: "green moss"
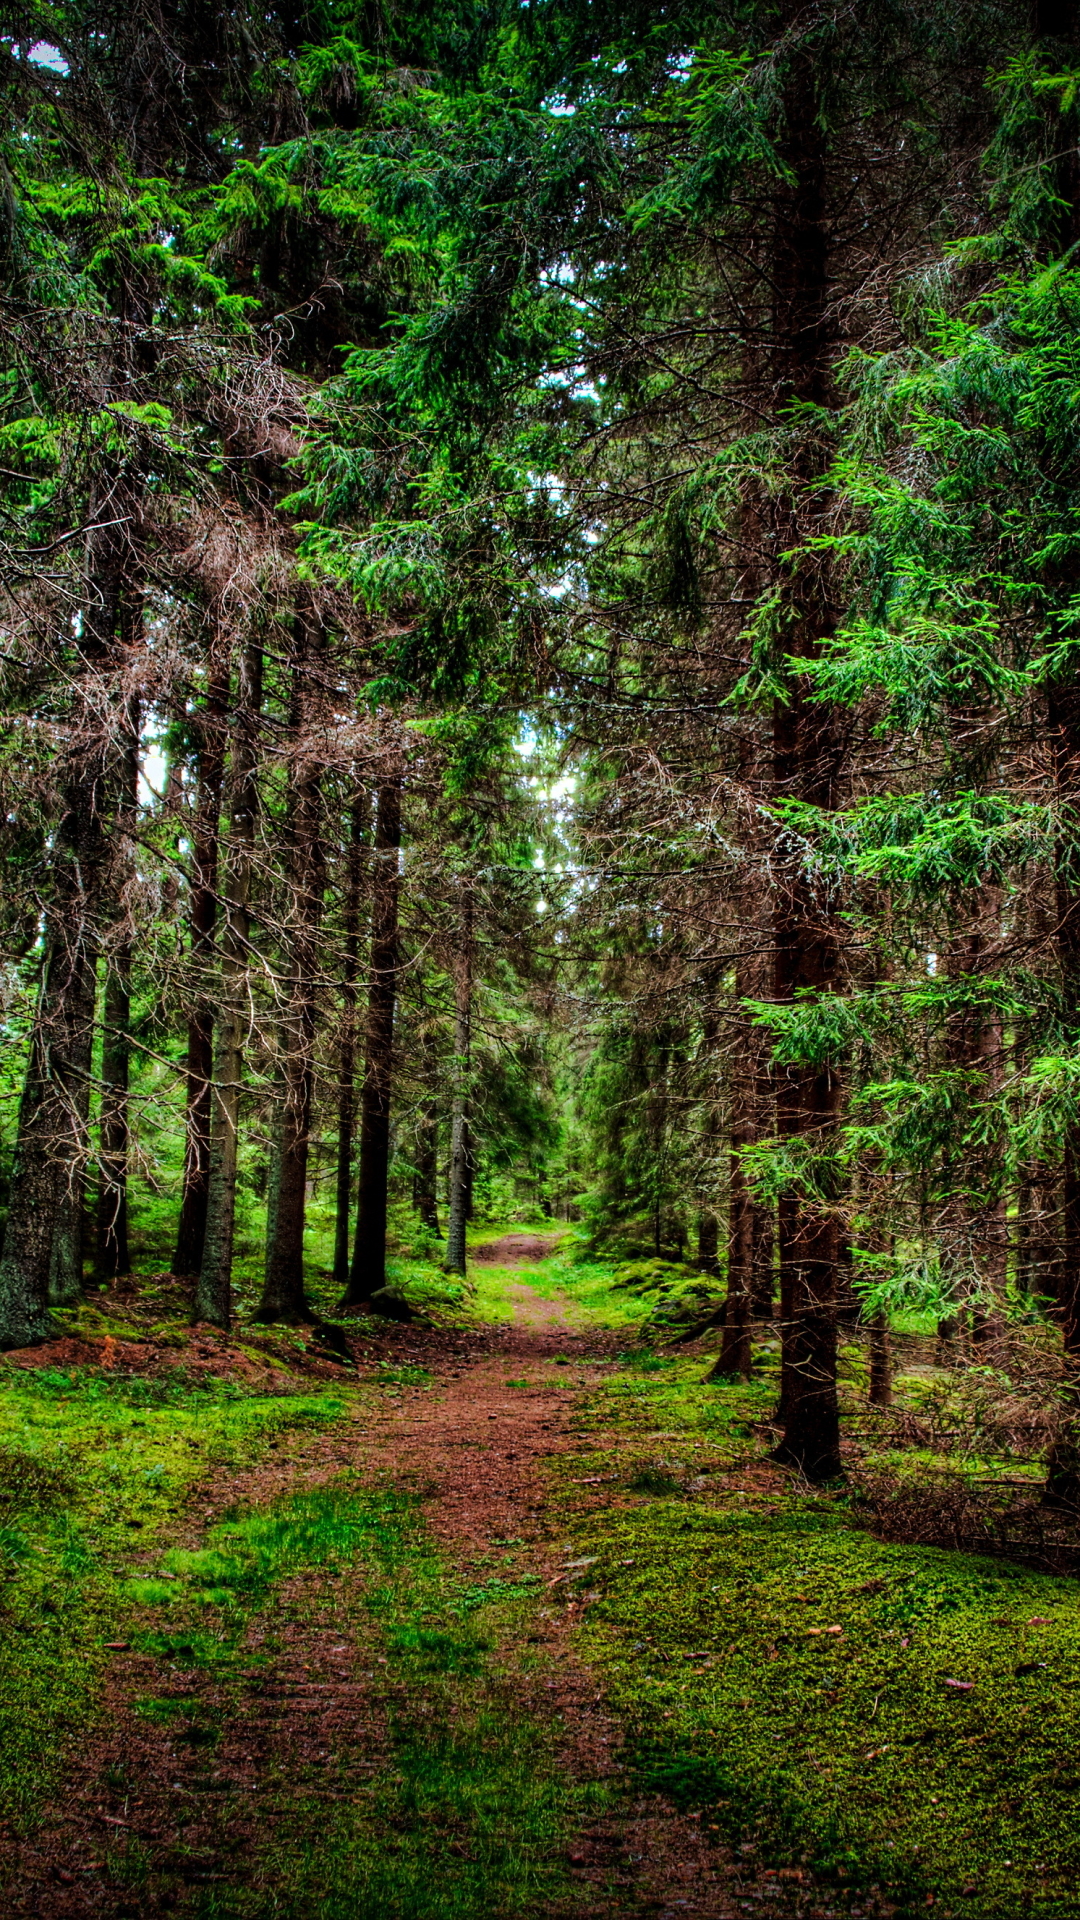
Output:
[[907, 1717], [468, 1812], [94, 1469]]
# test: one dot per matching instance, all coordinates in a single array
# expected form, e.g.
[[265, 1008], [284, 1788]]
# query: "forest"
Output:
[[539, 959]]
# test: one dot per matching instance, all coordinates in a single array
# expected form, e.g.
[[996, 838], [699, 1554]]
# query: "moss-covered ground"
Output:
[[901, 1717], [105, 1559], [894, 1723]]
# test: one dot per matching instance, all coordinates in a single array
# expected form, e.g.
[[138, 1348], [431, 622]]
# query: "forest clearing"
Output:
[[539, 959]]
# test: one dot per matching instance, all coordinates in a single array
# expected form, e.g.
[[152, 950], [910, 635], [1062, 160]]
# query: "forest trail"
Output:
[[224, 1777], [516, 1249], [515, 1615]]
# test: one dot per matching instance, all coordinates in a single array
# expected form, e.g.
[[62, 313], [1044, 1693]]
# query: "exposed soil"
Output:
[[514, 1249], [475, 1446]]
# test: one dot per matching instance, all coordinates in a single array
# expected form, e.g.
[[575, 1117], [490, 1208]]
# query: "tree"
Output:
[[367, 1273], [213, 1289]]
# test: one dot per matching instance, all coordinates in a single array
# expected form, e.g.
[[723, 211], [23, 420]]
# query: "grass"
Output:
[[581, 1285], [92, 1466], [901, 1717], [466, 1812]]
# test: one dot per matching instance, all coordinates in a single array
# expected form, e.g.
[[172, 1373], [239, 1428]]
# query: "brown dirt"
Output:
[[476, 1448], [514, 1249]]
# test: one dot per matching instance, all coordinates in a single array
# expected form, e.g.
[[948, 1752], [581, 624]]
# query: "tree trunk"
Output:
[[41, 1259], [708, 1245], [1057, 19], [978, 1219], [69, 1218], [346, 1115], [763, 1260], [459, 1123], [880, 1361], [427, 1144], [283, 1296], [113, 1256], [735, 1349], [213, 1289], [367, 1273], [806, 759], [191, 1228], [708, 1226], [470, 1168]]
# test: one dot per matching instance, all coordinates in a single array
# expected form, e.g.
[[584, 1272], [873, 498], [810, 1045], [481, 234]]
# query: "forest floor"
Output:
[[515, 1617]]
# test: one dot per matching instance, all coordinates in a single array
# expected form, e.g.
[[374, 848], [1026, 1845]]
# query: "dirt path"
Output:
[[479, 1447], [514, 1249], [476, 1444]]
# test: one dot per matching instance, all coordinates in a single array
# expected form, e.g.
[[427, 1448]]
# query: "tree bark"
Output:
[[283, 1296], [734, 1361], [213, 1289], [1060, 20], [367, 1274], [806, 760], [458, 1210], [41, 1259], [978, 1220], [880, 1361], [346, 1114], [708, 1244], [427, 1144], [191, 1228], [708, 1226], [113, 1256]]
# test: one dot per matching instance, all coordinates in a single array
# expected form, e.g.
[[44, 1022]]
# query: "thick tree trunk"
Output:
[[191, 1228], [470, 1169], [42, 1252], [1060, 20], [346, 1114], [708, 1226], [283, 1296], [113, 1255], [806, 759], [763, 1263], [459, 1122], [708, 1245], [213, 1289], [73, 1147], [367, 1274]]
